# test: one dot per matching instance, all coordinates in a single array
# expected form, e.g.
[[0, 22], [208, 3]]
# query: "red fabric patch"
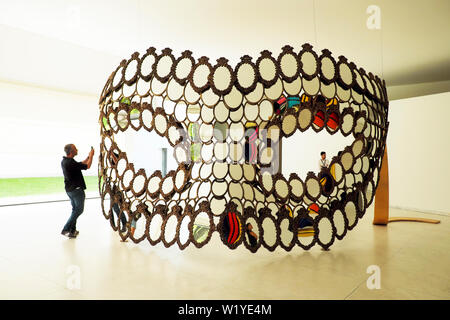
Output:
[[319, 119]]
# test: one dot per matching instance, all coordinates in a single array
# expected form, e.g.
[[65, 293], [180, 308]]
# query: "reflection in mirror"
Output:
[[190, 95], [206, 132], [267, 69], [217, 205], [266, 110], [281, 188], [347, 160], [207, 114], [174, 90], [221, 112], [201, 227], [155, 227], [304, 119], [311, 87], [286, 232], [237, 114], [347, 123], [267, 181], [160, 124], [220, 169], [325, 229], [270, 232], [339, 222], [167, 185], [179, 179], [127, 177], [336, 171], [209, 98], [256, 94], [157, 86], [139, 184], [220, 131], [184, 230], [309, 63], [170, 229], [222, 78], [327, 67], [251, 233], [233, 99], [219, 188], [249, 172], [153, 184], [245, 75], [147, 64], [275, 91], [235, 190], [200, 76], [296, 187], [232, 228], [289, 65], [122, 119], [193, 112], [313, 187], [236, 172], [350, 212], [183, 68], [305, 231]]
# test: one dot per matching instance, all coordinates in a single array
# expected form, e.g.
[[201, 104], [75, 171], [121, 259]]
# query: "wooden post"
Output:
[[381, 215]]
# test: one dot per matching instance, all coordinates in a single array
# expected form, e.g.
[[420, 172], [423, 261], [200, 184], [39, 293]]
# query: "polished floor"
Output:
[[36, 262]]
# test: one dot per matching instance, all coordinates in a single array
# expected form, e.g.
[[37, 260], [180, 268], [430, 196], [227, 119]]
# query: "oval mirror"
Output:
[[252, 233], [155, 228], [201, 229], [170, 229], [269, 232]]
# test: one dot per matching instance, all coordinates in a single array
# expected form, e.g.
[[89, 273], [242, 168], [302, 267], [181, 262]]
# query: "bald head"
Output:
[[70, 150]]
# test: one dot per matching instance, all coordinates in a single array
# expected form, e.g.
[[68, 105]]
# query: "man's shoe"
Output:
[[65, 233], [77, 232], [72, 235]]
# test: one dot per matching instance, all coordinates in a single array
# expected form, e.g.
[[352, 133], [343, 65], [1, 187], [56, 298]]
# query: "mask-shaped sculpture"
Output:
[[226, 126]]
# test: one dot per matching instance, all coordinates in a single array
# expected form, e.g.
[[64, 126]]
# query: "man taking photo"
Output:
[[75, 186]]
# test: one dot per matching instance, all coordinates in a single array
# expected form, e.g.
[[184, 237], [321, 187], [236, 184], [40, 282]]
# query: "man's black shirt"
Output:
[[73, 177]]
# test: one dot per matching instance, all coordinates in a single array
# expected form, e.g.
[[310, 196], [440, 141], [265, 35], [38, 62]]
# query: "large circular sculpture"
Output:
[[225, 125]]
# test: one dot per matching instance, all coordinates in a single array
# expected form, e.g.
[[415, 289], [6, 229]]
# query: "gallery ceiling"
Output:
[[411, 48]]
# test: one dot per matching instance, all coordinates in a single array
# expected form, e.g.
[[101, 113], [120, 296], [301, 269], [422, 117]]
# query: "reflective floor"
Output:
[[36, 262]]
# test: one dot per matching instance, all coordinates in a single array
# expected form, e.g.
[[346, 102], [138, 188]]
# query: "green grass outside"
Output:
[[17, 187]]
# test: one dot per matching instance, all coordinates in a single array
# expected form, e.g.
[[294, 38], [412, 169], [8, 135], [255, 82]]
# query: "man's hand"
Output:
[[88, 160]]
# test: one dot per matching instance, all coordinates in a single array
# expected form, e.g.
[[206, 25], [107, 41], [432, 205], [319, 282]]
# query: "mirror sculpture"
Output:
[[225, 126]]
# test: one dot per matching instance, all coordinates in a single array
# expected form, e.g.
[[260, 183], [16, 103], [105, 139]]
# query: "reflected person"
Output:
[[323, 162], [252, 237], [117, 194]]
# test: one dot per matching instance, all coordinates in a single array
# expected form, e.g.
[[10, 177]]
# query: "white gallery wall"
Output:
[[419, 153], [36, 123]]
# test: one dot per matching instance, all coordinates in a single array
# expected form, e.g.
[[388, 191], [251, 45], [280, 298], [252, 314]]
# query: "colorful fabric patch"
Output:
[[125, 101], [313, 209], [293, 101], [333, 121], [193, 131], [232, 228], [319, 119], [280, 105], [195, 151]]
